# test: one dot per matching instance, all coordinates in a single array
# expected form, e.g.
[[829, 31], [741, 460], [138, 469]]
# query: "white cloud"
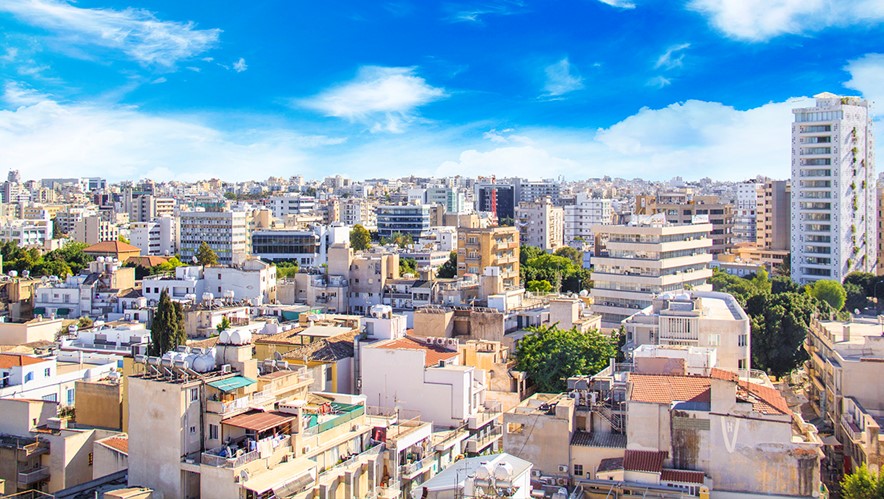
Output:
[[620, 4], [867, 77], [383, 98], [561, 78], [759, 20], [137, 33], [673, 57], [10, 55], [475, 13], [659, 82], [124, 142], [240, 65]]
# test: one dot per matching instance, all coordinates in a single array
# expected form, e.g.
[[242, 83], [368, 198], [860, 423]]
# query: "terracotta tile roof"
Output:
[[331, 349], [644, 460], [147, 260], [290, 337], [610, 464], [764, 399], [112, 247], [663, 389], [722, 374], [682, 476], [435, 353], [118, 442], [10, 360]]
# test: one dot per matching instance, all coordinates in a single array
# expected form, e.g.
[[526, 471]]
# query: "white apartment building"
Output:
[[93, 230], [291, 204], [254, 280], [50, 378], [833, 201], [541, 224], [581, 216], [27, 233], [358, 211], [226, 232], [633, 263], [745, 212], [695, 319], [442, 238], [158, 237]]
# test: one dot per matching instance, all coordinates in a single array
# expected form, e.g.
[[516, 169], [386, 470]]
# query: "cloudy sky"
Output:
[[538, 88]]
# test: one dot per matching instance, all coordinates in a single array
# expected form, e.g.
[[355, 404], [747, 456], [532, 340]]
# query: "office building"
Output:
[[409, 220], [226, 232]]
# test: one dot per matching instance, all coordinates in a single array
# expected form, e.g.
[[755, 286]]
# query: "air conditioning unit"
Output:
[[225, 368], [536, 473], [563, 468], [306, 449], [562, 481]]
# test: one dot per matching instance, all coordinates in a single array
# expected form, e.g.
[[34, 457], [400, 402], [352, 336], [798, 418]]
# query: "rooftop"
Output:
[[10, 360], [112, 247], [666, 389], [119, 443], [434, 353], [641, 460]]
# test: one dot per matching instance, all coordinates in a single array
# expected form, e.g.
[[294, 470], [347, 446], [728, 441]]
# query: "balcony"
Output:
[[217, 457], [482, 417], [410, 470], [33, 476], [853, 432], [478, 443], [226, 409]]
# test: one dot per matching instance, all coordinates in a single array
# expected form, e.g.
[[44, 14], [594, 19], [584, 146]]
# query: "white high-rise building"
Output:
[[226, 232], [541, 224], [582, 215], [159, 237], [745, 213], [833, 189]]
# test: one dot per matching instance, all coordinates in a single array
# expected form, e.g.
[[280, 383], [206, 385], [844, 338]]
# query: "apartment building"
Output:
[[633, 263], [880, 219], [358, 211], [27, 233], [833, 190], [498, 247], [226, 232], [541, 224], [746, 211], [253, 280], [156, 237], [291, 204], [222, 428], [410, 220], [583, 215], [93, 230], [695, 319], [681, 207], [499, 199], [93, 293], [307, 247], [843, 358]]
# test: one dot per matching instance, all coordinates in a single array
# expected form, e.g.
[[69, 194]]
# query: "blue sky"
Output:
[[546, 88]]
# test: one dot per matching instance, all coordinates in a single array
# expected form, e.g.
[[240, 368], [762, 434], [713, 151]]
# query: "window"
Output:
[[29, 377], [193, 430], [741, 364], [91, 458], [742, 340], [714, 340], [515, 427], [328, 373], [213, 432], [578, 470], [70, 396], [47, 372], [194, 394]]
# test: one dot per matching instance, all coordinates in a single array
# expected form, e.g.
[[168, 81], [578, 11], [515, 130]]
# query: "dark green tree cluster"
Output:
[[562, 271], [862, 484], [167, 328], [168, 266], [550, 355], [399, 239], [448, 270], [407, 266], [61, 262], [205, 255]]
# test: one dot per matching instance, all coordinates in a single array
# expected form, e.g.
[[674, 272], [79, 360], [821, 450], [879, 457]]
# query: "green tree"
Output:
[[205, 255], [539, 286], [407, 266], [285, 270], [831, 292], [56, 230], [559, 271], [779, 324], [167, 327], [550, 355], [123, 239], [84, 323], [52, 267], [865, 280], [576, 256], [783, 284], [223, 325], [856, 297], [360, 238], [71, 254], [741, 288], [400, 239], [506, 222], [862, 484], [785, 268], [761, 281], [448, 270], [528, 252]]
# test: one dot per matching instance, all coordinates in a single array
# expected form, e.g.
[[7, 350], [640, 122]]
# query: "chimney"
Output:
[[846, 330]]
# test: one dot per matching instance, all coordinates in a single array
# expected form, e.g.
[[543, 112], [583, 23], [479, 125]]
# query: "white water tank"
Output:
[[503, 471], [484, 472], [241, 337], [203, 363], [224, 338]]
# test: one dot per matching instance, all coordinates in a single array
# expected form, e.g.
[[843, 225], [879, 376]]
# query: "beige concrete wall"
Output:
[[542, 439], [433, 324], [68, 458], [107, 461], [17, 334], [590, 457], [99, 404]]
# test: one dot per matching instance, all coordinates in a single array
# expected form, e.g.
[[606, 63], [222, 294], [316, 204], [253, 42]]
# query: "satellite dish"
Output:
[[277, 356], [243, 476]]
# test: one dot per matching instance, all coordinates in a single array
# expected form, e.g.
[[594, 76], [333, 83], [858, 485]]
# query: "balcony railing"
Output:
[[242, 403], [408, 470], [853, 431], [371, 451], [212, 457], [34, 476], [476, 443]]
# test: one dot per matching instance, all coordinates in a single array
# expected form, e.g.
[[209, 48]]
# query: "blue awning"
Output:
[[232, 383]]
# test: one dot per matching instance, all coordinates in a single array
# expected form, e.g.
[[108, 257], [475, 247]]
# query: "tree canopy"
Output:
[[167, 328], [448, 269], [561, 272], [862, 484], [574, 255], [62, 262], [360, 238], [831, 292], [205, 255], [550, 355], [284, 270], [407, 266]]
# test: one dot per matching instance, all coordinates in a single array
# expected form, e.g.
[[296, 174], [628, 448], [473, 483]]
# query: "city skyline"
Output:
[[583, 89]]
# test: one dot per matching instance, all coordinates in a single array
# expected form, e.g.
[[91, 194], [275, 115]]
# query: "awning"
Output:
[[293, 476], [232, 383], [259, 421], [39, 310], [63, 311]]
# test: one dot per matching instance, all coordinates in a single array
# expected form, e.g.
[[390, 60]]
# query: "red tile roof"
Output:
[[644, 460], [112, 247], [434, 353], [10, 360], [682, 476], [765, 399], [722, 374], [663, 389], [119, 443]]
